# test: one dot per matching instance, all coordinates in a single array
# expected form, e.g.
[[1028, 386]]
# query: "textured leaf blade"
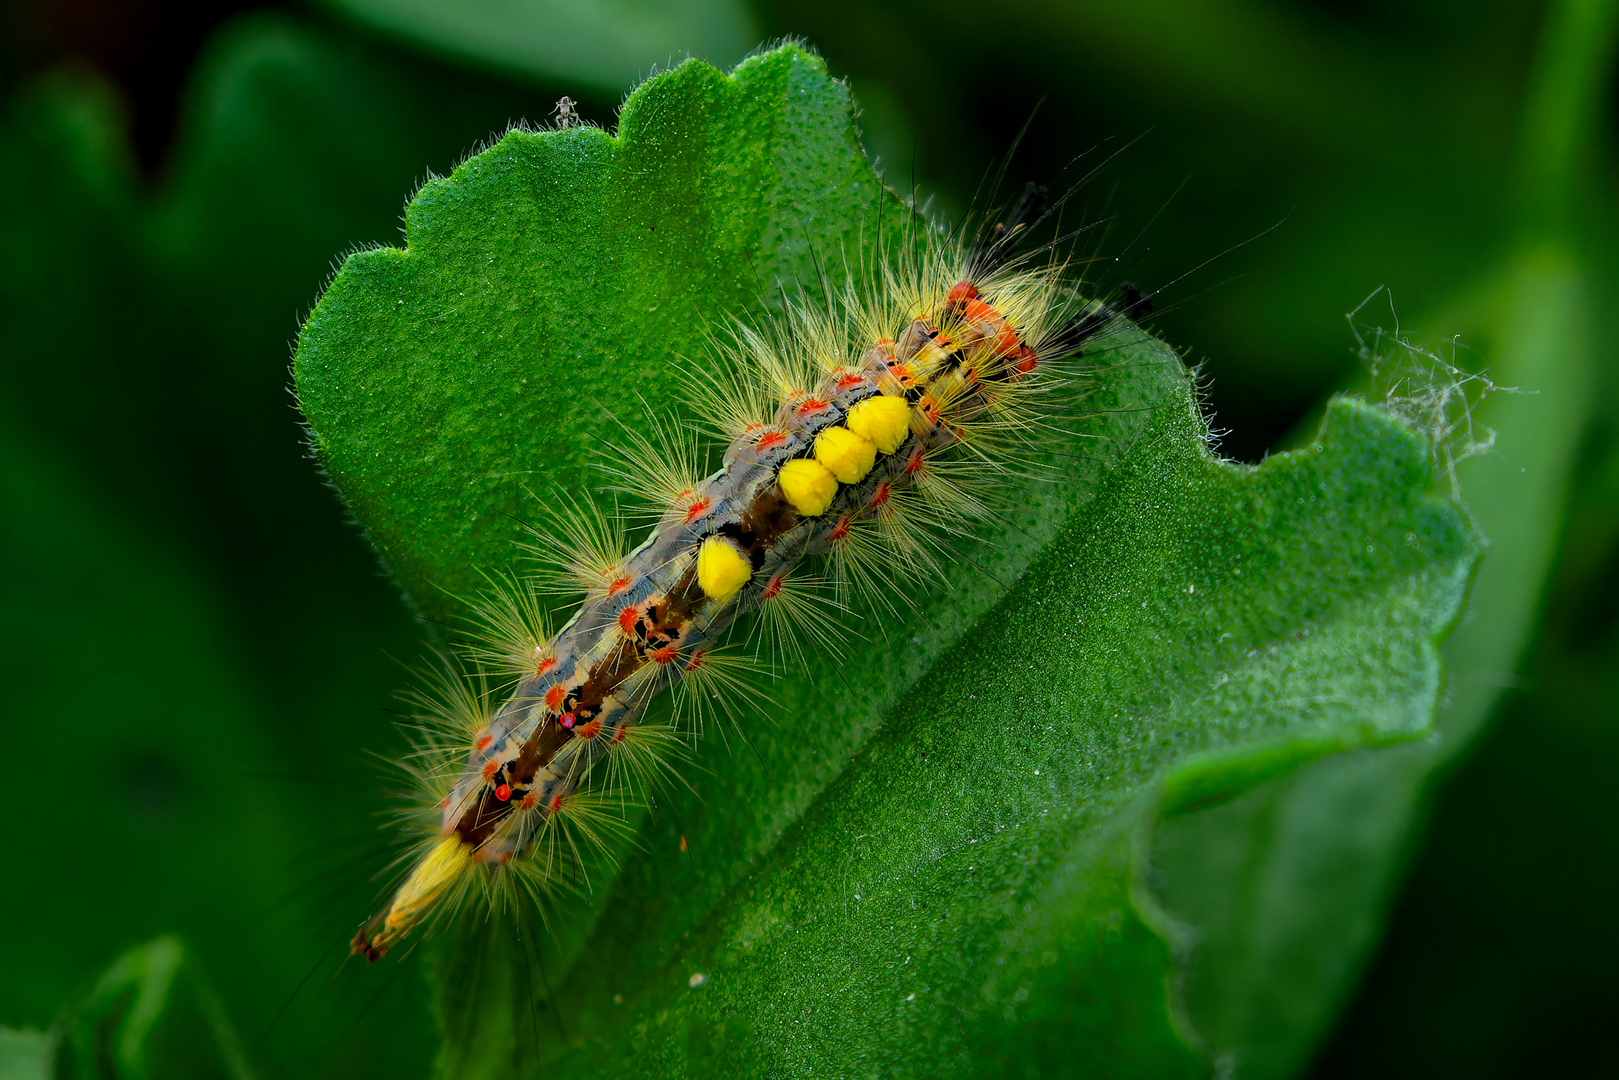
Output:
[[1162, 621], [985, 854]]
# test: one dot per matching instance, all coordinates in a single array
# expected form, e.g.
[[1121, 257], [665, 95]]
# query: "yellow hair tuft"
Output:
[[439, 869], [846, 455], [722, 570], [885, 422], [808, 485]]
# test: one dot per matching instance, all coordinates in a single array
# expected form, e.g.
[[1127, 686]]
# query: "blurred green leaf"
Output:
[[602, 45], [152, 1014], [964, 889], [138, 765], [25, 1055]]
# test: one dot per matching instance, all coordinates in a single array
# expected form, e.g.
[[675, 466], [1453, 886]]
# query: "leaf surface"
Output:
[[932, 857]]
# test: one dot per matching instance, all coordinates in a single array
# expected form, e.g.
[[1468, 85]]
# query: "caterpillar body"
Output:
[[866, 429]]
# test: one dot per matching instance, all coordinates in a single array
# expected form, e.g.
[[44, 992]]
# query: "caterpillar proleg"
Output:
[[864, 429]]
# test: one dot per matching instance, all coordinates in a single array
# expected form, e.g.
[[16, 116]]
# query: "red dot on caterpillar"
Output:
[[568, 720], [627, 618], [554, 696], [555, 803], [483, 743], [503, 792], [769, 440], [589, 729], [618, 585], [698, 509], [773, 588]]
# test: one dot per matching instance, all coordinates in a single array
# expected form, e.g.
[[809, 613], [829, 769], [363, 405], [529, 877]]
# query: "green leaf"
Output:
[[26, 1054], [148, 776], [600, 44], [152, 1014], [934, 856], [983, 853]]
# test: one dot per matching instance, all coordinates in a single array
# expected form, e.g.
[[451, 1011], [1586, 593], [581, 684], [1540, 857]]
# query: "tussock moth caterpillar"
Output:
[[863, 431]]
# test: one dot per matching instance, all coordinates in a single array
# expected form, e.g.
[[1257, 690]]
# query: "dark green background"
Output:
[[197, 643]]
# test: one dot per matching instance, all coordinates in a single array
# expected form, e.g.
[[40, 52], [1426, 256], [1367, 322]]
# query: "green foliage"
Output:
[[193, 641], [25, 1055], [151, 1015], [604, 45], [948, 878]]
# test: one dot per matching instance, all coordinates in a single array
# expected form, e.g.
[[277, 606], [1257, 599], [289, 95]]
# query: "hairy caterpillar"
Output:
[[865, 430]]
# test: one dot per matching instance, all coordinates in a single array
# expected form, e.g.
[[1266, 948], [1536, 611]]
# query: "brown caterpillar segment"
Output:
[[842, 464]]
